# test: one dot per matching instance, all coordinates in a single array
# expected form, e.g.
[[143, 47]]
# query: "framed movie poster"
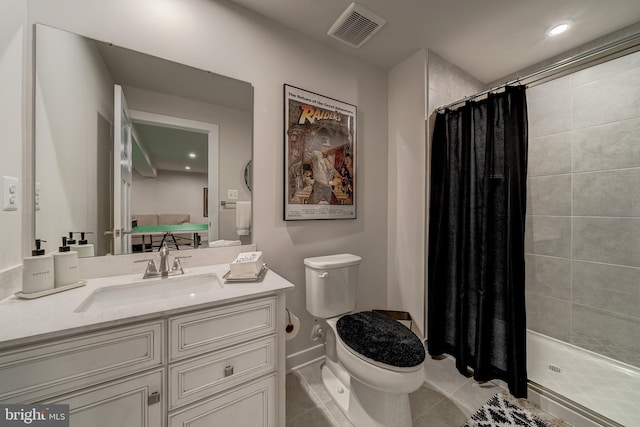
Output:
[[320, 156]]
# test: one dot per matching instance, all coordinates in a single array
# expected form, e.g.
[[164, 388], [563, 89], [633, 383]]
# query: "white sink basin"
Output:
[[149, 290]]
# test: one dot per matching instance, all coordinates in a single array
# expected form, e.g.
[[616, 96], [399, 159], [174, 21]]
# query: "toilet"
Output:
[[372, 362]]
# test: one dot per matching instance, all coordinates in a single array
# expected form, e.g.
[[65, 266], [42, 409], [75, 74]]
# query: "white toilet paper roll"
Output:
[[292, 325]]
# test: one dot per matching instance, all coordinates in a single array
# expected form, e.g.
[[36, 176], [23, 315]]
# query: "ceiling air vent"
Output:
[[356, 25]]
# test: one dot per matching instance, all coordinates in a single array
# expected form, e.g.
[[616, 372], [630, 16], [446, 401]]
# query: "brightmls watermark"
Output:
[[34, 415]]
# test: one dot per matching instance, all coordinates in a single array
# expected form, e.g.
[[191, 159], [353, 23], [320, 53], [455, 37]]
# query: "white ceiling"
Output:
[[168, 149], [489, 39]]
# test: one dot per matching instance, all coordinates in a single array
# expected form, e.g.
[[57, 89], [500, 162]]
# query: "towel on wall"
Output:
[[243, 218]]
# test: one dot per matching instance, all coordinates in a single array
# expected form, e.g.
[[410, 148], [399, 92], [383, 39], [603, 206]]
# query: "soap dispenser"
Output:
[[65, 265], [37, 271], [83, 248]]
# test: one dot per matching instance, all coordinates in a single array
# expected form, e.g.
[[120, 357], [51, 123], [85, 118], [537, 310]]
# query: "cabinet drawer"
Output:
[[123, 403], [197, 378], [197, 333], [39, 371], [251, 405]]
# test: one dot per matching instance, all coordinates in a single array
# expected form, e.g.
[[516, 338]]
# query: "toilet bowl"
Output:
[[381, 376], [372, 362], [368, 392]]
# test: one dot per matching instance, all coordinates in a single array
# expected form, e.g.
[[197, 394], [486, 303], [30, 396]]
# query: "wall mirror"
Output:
[[125, 140]]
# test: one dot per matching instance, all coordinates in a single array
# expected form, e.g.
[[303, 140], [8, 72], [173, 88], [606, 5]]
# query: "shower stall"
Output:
[[582, 247]]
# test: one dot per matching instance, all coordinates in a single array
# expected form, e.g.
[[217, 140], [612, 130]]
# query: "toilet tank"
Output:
[[331, 283]]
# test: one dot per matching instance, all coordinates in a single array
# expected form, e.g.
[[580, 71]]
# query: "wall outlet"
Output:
[[9, 193], [232, 194]]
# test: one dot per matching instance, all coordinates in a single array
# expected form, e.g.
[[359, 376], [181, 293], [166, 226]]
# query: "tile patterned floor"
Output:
[[446, 400]]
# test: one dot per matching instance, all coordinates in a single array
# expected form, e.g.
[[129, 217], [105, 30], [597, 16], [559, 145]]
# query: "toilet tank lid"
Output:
[[332, 261]]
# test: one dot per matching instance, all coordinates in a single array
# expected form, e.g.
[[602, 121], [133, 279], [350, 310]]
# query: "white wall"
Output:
[[13, 15], [407, 154], [70, 102], [169, 193], [223, 37]]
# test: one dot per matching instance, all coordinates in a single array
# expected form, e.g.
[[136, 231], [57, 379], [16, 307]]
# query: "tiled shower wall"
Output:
[[583, 210]]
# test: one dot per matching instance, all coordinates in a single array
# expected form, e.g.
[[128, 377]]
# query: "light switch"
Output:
[[10, 193], [232, 194]]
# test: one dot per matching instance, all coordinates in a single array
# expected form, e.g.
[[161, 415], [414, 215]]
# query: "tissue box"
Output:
[[247, 264]]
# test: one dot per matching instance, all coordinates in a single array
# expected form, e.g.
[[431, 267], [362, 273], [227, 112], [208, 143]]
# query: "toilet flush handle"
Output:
[[323, 275]]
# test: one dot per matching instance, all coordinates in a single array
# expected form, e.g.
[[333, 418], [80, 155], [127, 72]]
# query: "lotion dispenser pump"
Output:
[[65, 263], [37, 271], [71, 240], [84, 248]]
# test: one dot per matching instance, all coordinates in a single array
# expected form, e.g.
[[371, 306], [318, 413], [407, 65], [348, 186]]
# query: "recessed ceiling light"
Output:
[[188, 168], [558, 29], [192, 155]]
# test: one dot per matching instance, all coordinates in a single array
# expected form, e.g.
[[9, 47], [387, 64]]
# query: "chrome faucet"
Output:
[[164, 260], [164, 270]]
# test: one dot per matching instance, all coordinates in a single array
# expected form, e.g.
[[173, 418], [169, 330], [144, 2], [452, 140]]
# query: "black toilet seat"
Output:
[[380, 338]]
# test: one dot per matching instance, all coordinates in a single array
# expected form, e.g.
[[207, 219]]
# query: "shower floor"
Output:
[[603, 385]]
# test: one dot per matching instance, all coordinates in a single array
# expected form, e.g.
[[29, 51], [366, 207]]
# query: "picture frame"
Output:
[[320, 156]]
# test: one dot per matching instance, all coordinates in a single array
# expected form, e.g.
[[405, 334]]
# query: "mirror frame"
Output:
[[30, 172]]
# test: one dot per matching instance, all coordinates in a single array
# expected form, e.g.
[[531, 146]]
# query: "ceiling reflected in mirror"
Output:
[[168, 149]]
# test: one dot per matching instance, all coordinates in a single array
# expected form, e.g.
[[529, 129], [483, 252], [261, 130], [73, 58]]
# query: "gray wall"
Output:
[[583, 212]]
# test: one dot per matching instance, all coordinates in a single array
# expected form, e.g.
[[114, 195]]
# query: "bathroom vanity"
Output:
[[178, 351]]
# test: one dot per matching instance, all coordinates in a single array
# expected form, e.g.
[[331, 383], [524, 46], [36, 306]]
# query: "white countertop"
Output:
[[25, 321]]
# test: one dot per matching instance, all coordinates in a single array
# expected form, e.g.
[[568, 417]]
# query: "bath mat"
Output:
[[505, 411]]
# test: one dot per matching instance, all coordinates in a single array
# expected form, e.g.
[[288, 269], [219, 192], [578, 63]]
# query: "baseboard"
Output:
[[304, 357]]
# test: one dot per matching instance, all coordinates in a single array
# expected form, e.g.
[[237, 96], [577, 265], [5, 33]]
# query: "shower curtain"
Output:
[[476, 309]]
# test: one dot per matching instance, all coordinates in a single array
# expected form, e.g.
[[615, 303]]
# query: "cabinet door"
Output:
[[252, 405], [41, 371], [125, 403]]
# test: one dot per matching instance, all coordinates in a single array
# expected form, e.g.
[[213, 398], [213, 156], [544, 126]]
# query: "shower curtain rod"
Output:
[[591, 57]]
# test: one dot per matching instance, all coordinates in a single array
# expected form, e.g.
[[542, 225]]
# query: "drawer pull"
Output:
[[228, 370], [153, 398]]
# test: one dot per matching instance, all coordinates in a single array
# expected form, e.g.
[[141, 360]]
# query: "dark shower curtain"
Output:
[[476, 238]]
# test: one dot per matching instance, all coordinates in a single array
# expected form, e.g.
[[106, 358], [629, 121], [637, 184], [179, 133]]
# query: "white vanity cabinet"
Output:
[[217, 365], [223, 364]]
